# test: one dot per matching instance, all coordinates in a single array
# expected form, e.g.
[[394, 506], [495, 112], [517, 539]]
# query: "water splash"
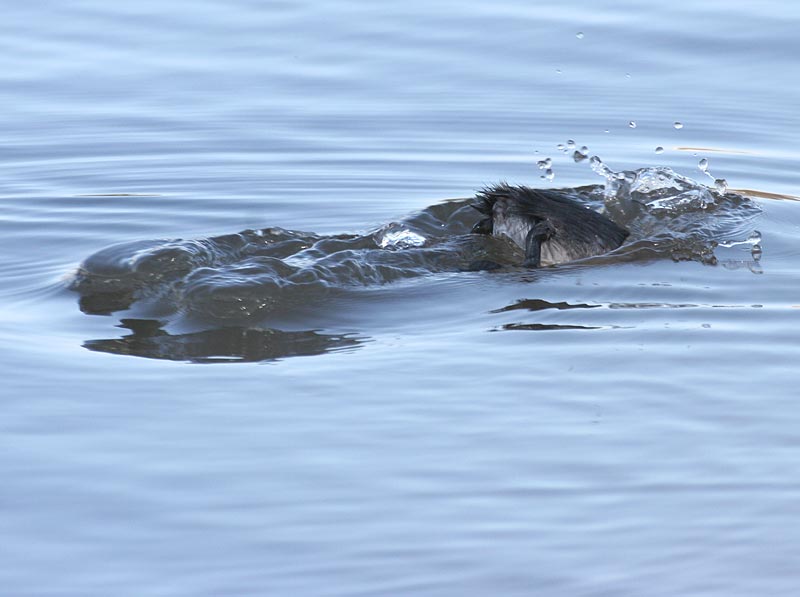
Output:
[[600, 168], [720, 184], [657, 188], [681, 216], [395, 237]]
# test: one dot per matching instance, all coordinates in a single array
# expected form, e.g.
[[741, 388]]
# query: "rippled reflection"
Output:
[[543, 327], [224, 345], [626, 315], [542, 305]]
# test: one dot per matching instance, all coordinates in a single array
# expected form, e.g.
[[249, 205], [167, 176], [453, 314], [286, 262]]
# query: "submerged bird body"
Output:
[[548, 225]]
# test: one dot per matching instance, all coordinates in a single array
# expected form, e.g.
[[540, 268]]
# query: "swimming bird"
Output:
[[549, 226]]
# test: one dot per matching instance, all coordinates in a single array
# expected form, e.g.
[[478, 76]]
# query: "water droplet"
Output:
[[578, 156], [570, 144], [548, 175], [585, 150], [659, 149], [558, 71], [678, 125], [627, 75], [721, 185], [632, 124], [542, 164], [703, 165], [595, 161], [579, 35], [754, 238], [606, 131], [560, 147]]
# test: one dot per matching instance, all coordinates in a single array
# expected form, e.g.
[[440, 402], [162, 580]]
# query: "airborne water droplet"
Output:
[[632, 124], [570, 144], [578, 156], [659, 149], [721, 185], [579, 35], [703, 164], [542, 164], [585, 150], [560, 147], [549, 174], [678, 125]]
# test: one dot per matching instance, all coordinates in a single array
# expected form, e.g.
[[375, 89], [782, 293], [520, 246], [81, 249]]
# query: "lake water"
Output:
[[629, 427]]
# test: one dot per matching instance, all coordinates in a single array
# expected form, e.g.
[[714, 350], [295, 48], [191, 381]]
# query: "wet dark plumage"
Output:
[[548, 225]]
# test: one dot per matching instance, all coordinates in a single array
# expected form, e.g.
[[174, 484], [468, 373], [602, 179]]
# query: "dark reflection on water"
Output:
[[540, 327], [543, 305], [223, 345], [596, 316]]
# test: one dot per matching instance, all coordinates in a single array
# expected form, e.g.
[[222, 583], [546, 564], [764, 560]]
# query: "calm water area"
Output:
[[626, 428]]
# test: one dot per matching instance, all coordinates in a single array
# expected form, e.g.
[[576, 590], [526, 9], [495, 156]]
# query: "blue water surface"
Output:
[[463, 443]]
